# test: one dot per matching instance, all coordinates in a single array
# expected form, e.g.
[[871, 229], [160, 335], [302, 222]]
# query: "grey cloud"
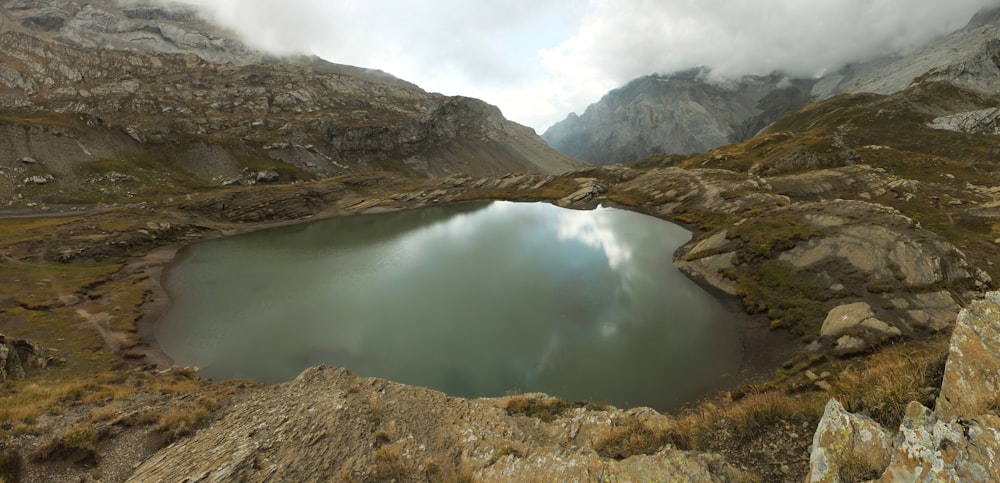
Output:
[[541, 59]]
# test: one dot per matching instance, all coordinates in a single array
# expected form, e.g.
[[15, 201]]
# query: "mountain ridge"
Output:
[[686, 117], [108, 78]]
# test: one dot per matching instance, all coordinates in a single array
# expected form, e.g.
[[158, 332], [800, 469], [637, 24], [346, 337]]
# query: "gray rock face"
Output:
[[883, 252], [984, 121], [679, 113], [121, 25]]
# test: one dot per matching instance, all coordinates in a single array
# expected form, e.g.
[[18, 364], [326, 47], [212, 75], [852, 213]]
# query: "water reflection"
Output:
[[472, 300]]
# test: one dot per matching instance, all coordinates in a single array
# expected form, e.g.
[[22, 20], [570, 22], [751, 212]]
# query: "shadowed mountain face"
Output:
[[98, 82], [688, 112]]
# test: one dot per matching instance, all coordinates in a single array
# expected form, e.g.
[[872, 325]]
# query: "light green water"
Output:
[[471, 300]]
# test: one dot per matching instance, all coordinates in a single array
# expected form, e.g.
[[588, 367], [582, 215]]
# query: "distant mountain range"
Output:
[[690, 112]]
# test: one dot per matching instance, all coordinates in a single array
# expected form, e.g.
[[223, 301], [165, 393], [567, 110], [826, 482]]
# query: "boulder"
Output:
[[847, 446], [971, 383], [848, 344], [10, 362], [39, 180], [856, 316], [268, 176]]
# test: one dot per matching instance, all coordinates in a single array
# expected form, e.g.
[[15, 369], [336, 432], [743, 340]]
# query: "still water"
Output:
[[471, 300]]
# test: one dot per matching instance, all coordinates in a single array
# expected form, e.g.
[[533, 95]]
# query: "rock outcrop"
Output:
[[958, 441], [19, 355], [788, 257], [971, 384], [982, 121], [328, 424]]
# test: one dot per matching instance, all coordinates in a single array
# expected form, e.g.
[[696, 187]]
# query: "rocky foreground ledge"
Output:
[[957, 441], [328, 424]]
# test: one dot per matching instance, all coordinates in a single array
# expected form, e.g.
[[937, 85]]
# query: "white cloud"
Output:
[[541, 59]]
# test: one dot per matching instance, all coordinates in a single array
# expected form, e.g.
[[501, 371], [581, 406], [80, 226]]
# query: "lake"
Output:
[[472, 300]]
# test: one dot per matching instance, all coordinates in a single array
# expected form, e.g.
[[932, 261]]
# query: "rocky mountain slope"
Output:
[[81, 113], [685, 112], [689, 112], [969, 57]]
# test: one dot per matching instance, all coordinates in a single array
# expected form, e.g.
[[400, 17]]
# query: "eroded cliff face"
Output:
[[88, 89]]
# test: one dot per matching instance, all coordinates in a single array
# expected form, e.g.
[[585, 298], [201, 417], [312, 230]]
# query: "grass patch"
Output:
[[884, 384], [22, 402], [78, 444], [634, 438], [790, 297], [749, 417], [767, 236], [387, 464], [83, 436], [545, 409]]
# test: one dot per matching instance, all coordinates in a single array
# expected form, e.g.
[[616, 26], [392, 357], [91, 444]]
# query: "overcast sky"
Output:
[[539, 60]]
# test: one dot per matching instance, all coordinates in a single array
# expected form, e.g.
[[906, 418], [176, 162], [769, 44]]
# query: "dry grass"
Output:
[[546, 409], [387, 464], [634, 438], [79, 443], [22, 402], [82, 436], [884, 384], [748, 418], [178, 422]]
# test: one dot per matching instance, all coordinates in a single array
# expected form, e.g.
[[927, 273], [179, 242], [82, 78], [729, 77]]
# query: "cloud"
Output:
[[541, 59]]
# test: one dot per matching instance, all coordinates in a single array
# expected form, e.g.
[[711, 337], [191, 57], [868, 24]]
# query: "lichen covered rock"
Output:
[[971, 384], [847, 443]]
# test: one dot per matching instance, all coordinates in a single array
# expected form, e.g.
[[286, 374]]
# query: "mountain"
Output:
[[685, 112], [969, 57], [150, 95], [690, 111]]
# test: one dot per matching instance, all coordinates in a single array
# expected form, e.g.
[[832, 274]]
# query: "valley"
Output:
[[859, 226]]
